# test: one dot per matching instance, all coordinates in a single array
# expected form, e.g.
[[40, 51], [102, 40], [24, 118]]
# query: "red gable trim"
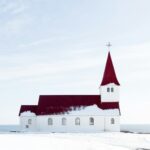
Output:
[[109, 73]]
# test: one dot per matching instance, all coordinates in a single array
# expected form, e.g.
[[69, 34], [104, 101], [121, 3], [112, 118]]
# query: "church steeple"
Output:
[[109, 88], [109, 75]]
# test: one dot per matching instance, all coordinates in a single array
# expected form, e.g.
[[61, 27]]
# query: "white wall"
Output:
[[24, 123], [70, 126], [109, 96], [40, 123], [112, 127]]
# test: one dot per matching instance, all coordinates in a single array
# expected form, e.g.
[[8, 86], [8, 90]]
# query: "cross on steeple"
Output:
[[108, 45]]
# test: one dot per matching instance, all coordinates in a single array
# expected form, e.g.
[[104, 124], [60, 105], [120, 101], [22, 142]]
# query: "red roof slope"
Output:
[[109, 73], [32, 108], [60, 104]]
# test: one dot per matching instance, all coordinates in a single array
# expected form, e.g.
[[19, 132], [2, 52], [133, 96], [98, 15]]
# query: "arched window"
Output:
[[50, 121], [112, 121], [108, 89], [112, 89], [29, 121], [77, 121], [91, 121], [64, 121]]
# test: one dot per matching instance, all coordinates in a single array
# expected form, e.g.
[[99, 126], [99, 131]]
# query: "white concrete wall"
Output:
[[24, 123], [40, 124], [70, 126], [112, 127], [109, 96]]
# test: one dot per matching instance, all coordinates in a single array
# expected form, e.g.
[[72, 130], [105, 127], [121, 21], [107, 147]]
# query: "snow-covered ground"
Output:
[[61, 141], [12, 140]]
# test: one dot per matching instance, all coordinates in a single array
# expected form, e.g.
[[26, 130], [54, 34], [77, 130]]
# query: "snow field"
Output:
[[68, 141]]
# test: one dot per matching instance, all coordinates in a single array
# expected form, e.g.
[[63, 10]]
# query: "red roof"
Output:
[[109, 73], [32, 108], [60, 104]]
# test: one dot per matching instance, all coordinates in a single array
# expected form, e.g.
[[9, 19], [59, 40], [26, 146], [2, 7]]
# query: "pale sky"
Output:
[[58, 47]]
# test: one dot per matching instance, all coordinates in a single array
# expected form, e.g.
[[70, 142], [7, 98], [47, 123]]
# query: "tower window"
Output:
[[112, 89], [29, 121], [108, 89], [50, 121], [77, 121], [112, 121], [64, 121], [91, 121]]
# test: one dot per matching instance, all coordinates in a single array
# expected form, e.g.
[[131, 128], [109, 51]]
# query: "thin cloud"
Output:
[[12, 7], [41, 69], [43, 41]]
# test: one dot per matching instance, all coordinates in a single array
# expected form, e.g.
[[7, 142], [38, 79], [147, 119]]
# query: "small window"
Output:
[[112, 89], [50, 121], [27, 126], [64, 121], [77, 121], [108, 89], [91, 121], [112, 121], [29, 121]]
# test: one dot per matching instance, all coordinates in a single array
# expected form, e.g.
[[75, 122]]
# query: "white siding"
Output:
[[109, 96], [112, 127], [24, 123], [40, 123], [70, 124]]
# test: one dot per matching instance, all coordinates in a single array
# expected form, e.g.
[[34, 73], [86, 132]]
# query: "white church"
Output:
[[76, 113]]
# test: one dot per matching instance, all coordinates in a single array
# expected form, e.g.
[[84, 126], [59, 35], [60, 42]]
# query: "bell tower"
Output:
[[109, 88]]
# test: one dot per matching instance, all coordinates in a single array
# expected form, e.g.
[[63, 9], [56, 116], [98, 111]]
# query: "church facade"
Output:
[[77, 113]]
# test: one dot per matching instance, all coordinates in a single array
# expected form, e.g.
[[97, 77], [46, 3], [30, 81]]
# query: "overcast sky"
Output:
[[58, 47]]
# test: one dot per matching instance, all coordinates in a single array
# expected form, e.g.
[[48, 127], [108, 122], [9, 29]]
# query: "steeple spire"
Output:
[[109, 75]]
